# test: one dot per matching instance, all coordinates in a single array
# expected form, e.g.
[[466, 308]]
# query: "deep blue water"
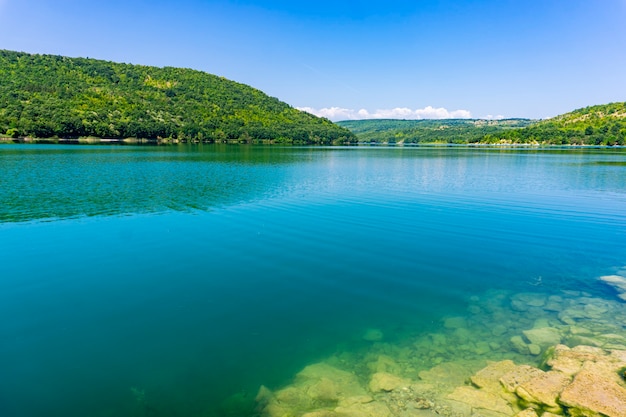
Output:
[[190, 274]]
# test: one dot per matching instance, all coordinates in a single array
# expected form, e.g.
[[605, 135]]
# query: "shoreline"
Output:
[[157, 142]]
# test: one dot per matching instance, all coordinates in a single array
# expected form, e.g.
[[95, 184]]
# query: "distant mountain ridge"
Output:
[[45, 96], [594, 125], [429, 130]]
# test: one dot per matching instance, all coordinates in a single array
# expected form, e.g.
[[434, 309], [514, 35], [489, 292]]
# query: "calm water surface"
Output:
[[168, 281]]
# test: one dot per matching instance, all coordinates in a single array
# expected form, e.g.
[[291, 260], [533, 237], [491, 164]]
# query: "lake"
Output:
[[176, 281]]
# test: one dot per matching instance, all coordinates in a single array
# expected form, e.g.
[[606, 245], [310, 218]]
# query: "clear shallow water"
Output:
[[180, 277]]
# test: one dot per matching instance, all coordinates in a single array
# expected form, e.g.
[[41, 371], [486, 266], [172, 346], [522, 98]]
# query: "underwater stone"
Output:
[[531, 299], [519, 306], [362, 399], [455, 323], [580, 331], [481, 399], [582, 340], [438, 339], [519, 345], [373, 335], [447, 375], [618, 282], [373, 409], [462, 334], [544, 336], [596, 310], [499, 330], [264, 396], [383, 381], [494, 345], [474, 309], [615, 281], [317, 386], [534, 349], [482, 347], [553, 306], [384, 363], [325, 390]]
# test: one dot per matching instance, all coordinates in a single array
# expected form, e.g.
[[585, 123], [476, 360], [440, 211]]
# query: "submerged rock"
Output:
[[543, 336], [618, 282], [373, 335], [455, 323], [316, 386], [383, 381], [482, 399]]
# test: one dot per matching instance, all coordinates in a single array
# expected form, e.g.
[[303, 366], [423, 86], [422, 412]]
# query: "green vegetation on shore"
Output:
[[48, 96], [595, 125]]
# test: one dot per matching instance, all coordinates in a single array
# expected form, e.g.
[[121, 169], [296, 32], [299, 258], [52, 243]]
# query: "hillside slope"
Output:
[[594, 125], [53, 96]]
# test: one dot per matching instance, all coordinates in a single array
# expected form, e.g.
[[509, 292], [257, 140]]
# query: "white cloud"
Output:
[[492, 117], [429, 112]]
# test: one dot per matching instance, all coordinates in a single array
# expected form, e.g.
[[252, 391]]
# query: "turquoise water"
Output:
[[169, 281]]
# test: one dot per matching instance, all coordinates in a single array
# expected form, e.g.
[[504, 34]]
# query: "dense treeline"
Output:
[[595, 125], [44, 96], [429, 131]]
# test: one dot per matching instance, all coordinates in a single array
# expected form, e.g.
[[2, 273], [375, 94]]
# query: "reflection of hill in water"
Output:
[[47, 182]]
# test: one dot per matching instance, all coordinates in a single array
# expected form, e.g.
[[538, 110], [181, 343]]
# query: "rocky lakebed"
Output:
[[514, 354]]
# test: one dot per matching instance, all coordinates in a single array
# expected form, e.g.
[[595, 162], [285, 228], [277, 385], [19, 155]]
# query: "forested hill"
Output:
[[45, 96], [595, 125]]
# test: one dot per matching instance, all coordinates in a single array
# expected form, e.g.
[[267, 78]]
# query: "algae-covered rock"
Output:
[[529, 412], [570, 361], [595, 391], [517, 376], [488, 378], [544, 389]]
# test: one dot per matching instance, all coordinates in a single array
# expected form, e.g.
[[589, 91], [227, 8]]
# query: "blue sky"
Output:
[[357, 59]]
